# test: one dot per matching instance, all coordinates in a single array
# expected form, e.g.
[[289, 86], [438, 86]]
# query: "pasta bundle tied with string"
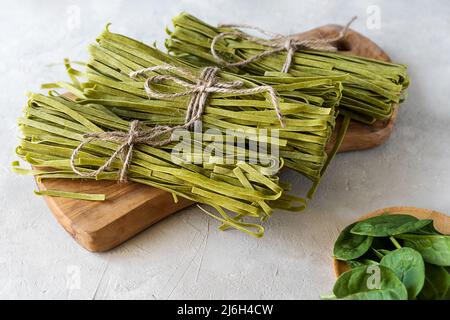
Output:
[[307, 104], [371, 88], [131, 97]]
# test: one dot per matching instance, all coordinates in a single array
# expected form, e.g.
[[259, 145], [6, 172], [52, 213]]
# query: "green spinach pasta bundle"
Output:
[[371, 87], [114, 97]]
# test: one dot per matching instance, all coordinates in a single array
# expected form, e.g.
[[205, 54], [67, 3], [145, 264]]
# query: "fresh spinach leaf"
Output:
[[352, 264], [409, 267], [412, 226], [388, 225], [428, 229], [370, 283], [437, 283], [360, 262], [434, 249], [350, 246]]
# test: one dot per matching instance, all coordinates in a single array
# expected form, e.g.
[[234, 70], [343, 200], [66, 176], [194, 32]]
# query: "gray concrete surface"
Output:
[[185, 256]]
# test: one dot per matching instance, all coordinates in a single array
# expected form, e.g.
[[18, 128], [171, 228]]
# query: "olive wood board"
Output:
[[130, 208], [441, 222]]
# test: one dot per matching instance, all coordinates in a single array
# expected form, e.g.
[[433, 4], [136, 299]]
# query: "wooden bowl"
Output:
[[441, 222]]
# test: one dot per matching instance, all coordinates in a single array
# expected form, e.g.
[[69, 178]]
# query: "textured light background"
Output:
[[185, 256]]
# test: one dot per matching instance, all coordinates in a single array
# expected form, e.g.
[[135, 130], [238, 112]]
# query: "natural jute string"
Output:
[[198, 87], [278, 43]]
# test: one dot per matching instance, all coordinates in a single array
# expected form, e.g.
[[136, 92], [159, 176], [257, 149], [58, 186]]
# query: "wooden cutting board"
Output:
[[130, 208]]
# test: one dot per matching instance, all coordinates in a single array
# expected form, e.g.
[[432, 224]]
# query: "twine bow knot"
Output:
[[277, 43], [135, 135], [199, 87]]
